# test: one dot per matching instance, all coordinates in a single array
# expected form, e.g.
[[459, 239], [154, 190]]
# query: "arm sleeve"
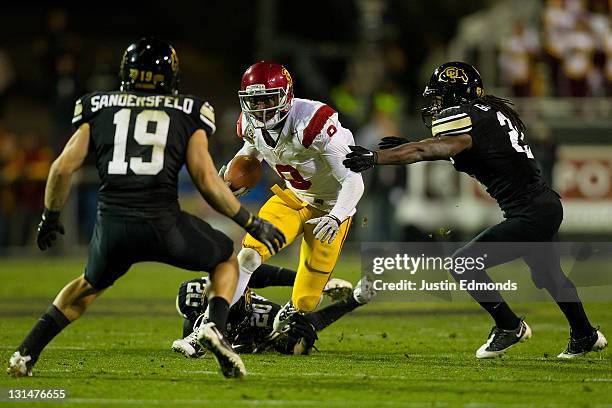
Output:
[[452, 121], [334, 150]]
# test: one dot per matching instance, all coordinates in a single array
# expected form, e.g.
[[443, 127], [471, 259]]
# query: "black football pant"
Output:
[[175, 238], [537, 224]]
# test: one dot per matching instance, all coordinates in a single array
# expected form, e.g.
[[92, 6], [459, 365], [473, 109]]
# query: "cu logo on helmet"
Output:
[[453, 74]]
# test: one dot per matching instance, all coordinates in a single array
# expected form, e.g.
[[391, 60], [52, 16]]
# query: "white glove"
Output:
[[237, 193], [326, 229]]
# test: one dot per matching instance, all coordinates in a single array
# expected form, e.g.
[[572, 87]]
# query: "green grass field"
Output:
[[384, 354]]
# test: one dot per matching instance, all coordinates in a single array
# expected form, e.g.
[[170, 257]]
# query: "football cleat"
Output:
[[501, 340], [210, 338], [580, 346], [338, 289], [20, 366], [189, 346], [364, 292], [283, 318]]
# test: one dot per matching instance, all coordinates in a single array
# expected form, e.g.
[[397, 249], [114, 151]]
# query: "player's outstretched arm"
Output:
[[220, 197], [438, 148], [58, 186]]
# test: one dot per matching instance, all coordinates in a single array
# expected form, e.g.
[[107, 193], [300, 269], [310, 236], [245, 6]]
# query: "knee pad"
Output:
[[249, 259], [307, 303]]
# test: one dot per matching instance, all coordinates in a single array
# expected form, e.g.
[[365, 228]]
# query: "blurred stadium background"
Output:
[[369, 59]]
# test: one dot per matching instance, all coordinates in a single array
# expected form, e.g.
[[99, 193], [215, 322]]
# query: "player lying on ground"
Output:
[[483, 136], [141, 137], [249, 325], [304, 142]]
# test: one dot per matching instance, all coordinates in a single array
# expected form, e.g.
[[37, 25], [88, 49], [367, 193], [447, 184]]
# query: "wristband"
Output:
[[49, 215], [243, 217]]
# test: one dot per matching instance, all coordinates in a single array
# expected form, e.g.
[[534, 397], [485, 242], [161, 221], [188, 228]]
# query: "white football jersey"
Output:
[[308, 154]]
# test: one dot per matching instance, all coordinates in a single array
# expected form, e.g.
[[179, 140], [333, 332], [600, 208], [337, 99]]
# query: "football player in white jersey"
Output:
[[305, 143]]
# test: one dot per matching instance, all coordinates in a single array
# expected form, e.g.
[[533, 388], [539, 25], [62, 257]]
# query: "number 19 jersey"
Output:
[[499, 157], [140, 142]]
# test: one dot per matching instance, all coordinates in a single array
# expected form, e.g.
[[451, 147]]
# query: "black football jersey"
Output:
[[140, 142], [249, 322], [499, 157]]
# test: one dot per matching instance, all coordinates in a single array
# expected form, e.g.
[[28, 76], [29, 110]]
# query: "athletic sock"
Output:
[[50, 324], [246, 265], [564, 292], [269, 275], [218, 311], [502, 314], [577, 318], [326, 316]]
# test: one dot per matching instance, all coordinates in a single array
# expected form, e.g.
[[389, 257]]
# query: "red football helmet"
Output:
[[266, 94]]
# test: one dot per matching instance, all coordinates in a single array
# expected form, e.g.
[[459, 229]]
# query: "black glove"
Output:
[[301, 328], [47, 229], [266, 233], [389, 142], [360, 159]]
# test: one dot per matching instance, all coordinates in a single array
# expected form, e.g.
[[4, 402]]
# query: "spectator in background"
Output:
[[577, 62], [66, 91], [7, 75], [10, 167], [349, 101], [386, 182], [556, 22], [516, 59], [29, 187], [104, 72]]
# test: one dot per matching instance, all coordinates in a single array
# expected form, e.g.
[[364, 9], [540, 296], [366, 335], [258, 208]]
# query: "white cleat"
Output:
[[501, 340], [338, 289], [364, 291], [210, 338], [19, 366], [189, 346], [581, 346]]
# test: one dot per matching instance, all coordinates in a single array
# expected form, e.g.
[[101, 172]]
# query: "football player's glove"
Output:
[[326, 228], [237, 193], [48, 228], [266, 233], [360, 159], [390, 142], [302, 334]]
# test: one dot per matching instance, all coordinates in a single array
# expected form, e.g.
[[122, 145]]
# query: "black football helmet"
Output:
[[150, 65], [452, 83]]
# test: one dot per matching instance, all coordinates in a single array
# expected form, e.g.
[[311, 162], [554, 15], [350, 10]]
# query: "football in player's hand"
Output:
[[244, 171]]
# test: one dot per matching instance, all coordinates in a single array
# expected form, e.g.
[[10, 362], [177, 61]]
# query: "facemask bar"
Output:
[[434, 107], [271, 116]]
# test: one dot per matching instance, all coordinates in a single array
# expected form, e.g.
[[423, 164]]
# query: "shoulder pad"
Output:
[[82, 110], [316, 124], [452, 121], [207, 116]]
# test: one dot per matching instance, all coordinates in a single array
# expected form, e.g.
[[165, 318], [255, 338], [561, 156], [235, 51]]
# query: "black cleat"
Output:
[[501, 340], [580, 346], [212, 339]]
